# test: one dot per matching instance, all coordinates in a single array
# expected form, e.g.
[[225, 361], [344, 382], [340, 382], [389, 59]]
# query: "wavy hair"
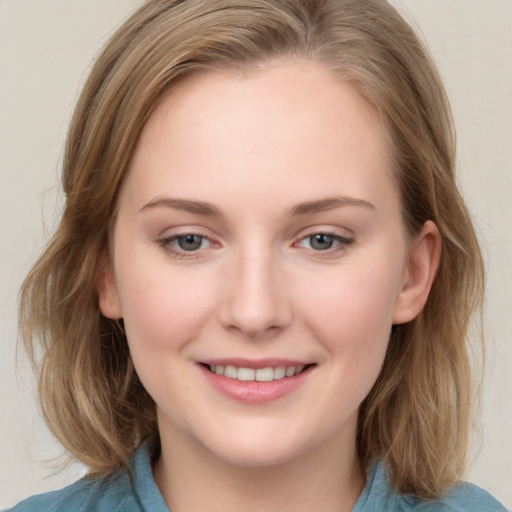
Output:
[[417, 416]]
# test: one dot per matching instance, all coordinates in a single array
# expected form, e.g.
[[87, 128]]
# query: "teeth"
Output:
[[280, 372], [290, 371], [260, 375], [263, 374], [246, 374], [230, 372]]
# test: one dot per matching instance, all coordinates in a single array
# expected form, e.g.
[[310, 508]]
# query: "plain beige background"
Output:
[[46, 47]]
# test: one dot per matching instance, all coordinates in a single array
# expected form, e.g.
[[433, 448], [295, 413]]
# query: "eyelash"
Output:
[[166, 244], [341, 243]]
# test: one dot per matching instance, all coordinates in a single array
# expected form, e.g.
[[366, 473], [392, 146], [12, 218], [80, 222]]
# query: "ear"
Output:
[[109, 303], [419, 273]]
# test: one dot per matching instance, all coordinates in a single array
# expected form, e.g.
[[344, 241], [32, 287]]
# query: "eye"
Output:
[[185, 245], [323, 242], [190, 242]]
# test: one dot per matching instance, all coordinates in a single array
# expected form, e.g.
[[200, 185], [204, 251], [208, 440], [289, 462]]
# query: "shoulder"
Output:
[[85, 495], [463, 497], [132, 490]]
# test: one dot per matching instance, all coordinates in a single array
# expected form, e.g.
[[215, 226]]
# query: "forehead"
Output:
[[285, 122]]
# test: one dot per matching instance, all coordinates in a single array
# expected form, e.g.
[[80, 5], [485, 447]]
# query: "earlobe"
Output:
[[420, 271], [107, 291]]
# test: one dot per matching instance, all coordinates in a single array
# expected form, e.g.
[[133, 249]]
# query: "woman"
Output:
[[259, 293]]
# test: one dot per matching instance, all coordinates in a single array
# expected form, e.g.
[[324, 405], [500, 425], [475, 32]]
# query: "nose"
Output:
[[255, 301]]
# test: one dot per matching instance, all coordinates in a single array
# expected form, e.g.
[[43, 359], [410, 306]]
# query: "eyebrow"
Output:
[[305, 208], [328, 203], [187, 205]]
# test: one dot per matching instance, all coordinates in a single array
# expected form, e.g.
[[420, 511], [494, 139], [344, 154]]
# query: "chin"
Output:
[[256, 456], [261, 447]]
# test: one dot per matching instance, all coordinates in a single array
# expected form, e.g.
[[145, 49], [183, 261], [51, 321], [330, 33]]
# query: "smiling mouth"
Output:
[[260, 375]]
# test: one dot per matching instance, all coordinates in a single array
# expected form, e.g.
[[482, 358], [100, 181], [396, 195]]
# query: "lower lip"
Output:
[[255, 392]]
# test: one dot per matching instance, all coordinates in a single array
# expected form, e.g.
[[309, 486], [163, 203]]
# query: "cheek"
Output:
[[352, 313], [162, 310], [162, 315]]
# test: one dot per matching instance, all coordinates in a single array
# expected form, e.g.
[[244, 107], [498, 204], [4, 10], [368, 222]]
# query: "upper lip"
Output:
[[255, 363]]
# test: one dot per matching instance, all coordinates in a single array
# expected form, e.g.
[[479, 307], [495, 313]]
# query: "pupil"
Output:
[[190, 242], [321, 242]]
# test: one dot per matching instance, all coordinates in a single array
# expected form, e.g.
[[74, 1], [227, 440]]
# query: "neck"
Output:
[[192, 478]]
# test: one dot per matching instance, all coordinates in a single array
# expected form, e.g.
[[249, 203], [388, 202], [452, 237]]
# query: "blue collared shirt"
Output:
[[138, 492]]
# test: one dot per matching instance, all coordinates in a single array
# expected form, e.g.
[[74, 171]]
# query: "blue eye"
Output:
[[185, 245], [322, 242], [189, 242]]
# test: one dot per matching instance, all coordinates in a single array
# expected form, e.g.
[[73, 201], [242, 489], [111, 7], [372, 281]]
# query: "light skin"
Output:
[[281, 178]]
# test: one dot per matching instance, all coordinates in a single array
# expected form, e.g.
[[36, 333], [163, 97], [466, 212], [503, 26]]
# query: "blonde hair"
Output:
[[416, 417]]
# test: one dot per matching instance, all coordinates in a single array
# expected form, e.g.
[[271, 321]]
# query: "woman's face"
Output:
[[259, 261]]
